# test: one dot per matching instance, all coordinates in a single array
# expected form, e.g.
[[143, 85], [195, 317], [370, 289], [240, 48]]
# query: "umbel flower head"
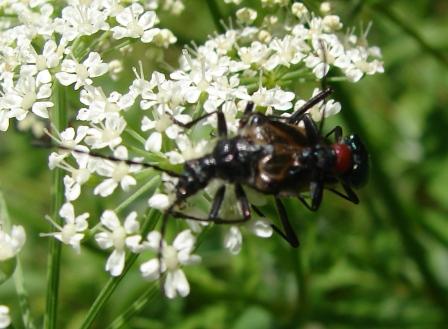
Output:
[[259, 59]]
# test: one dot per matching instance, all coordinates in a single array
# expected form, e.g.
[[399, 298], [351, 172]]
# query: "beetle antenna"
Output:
[[105, 157], [323, 82]]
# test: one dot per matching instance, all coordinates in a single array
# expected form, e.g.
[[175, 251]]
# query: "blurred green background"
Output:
[[381, 264]]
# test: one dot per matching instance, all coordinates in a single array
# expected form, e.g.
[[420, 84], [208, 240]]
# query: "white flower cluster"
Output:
[[260, 63], [40, 44]]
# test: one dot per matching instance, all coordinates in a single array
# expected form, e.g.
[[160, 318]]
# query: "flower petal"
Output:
[[115, 262], [150, 269], [110, 220]]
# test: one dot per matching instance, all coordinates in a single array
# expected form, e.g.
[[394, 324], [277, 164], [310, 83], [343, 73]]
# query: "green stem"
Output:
[[22, 294], [112, 284], [59, 121], [93, 44], [413, 33], [293, 75], [123, 319], [216, 14], [118, 46], [135, 135], [150, 185], [401, 218]]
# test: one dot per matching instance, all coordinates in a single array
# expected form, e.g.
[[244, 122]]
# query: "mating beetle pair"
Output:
[[274, 156]]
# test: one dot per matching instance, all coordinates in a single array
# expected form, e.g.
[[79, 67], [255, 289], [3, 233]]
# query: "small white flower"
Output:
[[78, 175], [72, 232], [256, 53], [50, 57], [81, 20], [68, 140], [246, 15], [275, 98], [299, 9], [175, 7], [159, 201], [327, 52], [99, 105], [361, 65], [10, 244], [287, 51], [187, 150], [81, 73], [118, 173], [173, 258], [136, 23], [5, 319], [29, 94], [163, 37], [233, 240], [119, 237], [162, 124], [107, 133]]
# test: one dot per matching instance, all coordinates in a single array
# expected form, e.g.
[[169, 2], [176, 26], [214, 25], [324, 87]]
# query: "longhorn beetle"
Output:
[[274, 156]]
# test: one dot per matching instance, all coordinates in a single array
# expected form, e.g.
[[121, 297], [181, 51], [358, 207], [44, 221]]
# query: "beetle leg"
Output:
[[258, 211], [217, 202], [242, 201], [337, 131], [297, 116], [305, 203], [249, 108], [289, 235], [190, 124], [218, 220], [222, 125], [350, 194], [316, 192]]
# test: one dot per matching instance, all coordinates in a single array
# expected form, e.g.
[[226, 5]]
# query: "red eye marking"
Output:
[[343, 158]]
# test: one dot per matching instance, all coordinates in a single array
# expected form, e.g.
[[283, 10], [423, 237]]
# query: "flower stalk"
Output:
[[59, 122]]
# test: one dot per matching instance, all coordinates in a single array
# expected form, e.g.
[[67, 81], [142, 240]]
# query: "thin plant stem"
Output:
[[400, 217], [93, 44], [59, 121], [216, 14], [135, 135], [22, 294], [123, 319], [107, 291]]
